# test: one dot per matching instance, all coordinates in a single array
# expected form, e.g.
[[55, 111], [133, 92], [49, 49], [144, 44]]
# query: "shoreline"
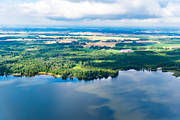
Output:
[[174, 73], [40, 73]]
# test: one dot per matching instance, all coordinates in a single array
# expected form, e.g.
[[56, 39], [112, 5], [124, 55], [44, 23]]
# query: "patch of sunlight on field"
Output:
[[108, 38], [112, 51], [178, 61], [103, 38], [77, 67], [166, 45], [100, 61]]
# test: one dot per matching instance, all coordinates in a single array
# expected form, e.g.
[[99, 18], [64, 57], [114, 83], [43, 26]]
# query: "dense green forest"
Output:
[[30, 58]]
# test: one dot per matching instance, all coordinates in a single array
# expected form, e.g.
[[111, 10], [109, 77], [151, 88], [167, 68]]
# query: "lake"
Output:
[[132, 95]]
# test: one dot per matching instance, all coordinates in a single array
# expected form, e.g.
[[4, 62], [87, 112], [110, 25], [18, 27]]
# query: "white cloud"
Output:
[[83, 12], [86, 9], [72, 10]]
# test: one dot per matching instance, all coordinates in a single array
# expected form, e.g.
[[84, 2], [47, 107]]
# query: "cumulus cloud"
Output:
[[72, 10], [104, 9], [114, 12]]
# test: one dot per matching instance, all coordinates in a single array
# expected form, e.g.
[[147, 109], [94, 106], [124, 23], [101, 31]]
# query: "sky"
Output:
[[91, 12]]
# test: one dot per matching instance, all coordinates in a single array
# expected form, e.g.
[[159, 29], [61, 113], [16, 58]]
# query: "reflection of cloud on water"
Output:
[[24, 81], [137, 95], [3, 83]]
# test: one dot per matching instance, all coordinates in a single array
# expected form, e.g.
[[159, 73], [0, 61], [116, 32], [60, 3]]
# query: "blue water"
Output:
[[133, 95]]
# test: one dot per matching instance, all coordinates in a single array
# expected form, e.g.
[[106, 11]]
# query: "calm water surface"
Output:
[[132, 95]]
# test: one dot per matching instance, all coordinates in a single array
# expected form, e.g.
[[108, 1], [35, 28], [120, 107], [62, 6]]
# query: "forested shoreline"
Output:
[[69, 56], [82, 63]]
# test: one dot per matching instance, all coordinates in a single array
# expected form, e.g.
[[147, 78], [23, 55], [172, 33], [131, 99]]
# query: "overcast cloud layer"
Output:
[[91, 12]]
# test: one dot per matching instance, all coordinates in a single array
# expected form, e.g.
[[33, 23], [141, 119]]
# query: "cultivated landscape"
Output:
[[87, 53]]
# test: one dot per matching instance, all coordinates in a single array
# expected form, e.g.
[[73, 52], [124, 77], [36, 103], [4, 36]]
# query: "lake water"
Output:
[[133, 95]]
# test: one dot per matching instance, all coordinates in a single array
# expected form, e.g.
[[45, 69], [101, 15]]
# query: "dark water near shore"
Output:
[[133, 95]]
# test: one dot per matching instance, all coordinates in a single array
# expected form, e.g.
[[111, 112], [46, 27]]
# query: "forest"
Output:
[[74, 60]]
